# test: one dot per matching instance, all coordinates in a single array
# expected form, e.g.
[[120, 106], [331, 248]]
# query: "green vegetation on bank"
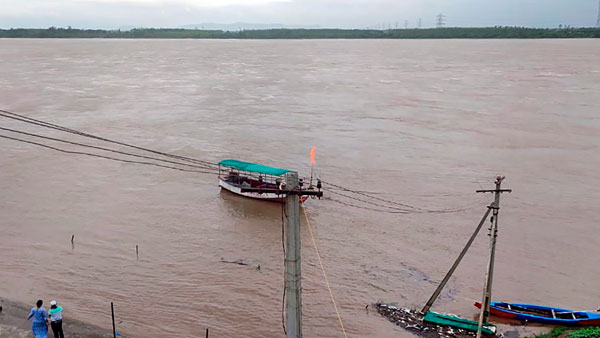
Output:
[[430, 33], [567, 332]]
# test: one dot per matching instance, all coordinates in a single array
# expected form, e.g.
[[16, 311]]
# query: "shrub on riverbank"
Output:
[[567, 332]]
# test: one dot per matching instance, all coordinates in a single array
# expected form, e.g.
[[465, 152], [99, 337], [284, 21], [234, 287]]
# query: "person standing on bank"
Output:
[[39, 326], [55, 314]]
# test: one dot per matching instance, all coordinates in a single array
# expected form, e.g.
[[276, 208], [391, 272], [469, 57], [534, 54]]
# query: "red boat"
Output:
[[543, 314]]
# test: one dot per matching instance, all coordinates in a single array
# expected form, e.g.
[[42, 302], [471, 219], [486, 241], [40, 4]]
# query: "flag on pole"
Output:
[[312, 155]]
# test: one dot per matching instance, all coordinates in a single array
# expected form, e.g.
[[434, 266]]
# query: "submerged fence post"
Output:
[[112, 311], [206, 333]]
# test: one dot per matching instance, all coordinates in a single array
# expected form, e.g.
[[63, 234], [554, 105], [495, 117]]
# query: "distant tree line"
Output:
[[430, 33]]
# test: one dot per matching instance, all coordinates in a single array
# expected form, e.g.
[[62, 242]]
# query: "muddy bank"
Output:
[[13, 323]]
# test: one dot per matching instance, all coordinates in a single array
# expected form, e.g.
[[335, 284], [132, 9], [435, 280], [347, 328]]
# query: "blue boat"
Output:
[[543, 314]]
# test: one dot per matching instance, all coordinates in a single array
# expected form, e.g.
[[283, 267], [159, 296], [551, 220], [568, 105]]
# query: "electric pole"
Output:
[[487, 289], [292, 261], [293, 286], [405, 24], [440, 20], [419, 25]]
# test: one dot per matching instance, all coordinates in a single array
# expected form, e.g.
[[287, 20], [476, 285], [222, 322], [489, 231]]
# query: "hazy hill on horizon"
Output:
[[236, 26]]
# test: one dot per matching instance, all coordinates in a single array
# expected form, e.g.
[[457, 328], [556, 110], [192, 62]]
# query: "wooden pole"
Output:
[[207, 333], [112, 311], [487, 289], [292, 260], [437, 291]]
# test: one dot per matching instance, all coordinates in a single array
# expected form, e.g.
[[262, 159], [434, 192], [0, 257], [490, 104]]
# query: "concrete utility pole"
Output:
[[487, 289], [292, 260], [293, 286]]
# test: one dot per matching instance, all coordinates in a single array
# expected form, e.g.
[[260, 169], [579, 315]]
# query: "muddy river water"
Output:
[[423, 122]]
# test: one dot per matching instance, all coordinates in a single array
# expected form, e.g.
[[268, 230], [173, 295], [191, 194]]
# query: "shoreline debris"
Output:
[[412, 321]]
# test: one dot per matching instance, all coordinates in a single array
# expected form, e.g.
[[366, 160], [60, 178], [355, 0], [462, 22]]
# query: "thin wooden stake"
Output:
[[137, 255], [112, 311]]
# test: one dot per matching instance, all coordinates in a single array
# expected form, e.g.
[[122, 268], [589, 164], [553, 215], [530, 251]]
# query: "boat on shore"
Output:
[[543, 314], [458, 322], [236, 176]]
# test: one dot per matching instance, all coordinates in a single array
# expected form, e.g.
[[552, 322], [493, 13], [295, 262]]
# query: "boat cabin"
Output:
[[235, 175]]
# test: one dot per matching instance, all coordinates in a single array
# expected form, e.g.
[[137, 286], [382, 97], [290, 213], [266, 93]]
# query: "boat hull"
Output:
[[270, 197], [457, 322], [501, 310]]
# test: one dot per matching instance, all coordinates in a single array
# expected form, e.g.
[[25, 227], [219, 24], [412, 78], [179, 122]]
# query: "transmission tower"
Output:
[[440, 20], [598, 20]]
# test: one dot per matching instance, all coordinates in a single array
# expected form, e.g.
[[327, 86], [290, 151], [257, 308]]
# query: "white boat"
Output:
[[236, 175]]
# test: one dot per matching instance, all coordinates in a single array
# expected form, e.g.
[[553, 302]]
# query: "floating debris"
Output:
[[239, 261], [412, 321]]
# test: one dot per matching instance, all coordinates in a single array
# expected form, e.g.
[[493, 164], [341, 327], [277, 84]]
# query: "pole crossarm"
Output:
[[298, 192]]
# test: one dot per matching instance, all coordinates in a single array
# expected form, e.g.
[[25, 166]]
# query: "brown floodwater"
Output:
[[422, 122]]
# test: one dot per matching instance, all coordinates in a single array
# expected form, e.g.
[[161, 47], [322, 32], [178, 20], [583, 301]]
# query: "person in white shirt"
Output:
[[55, 314]]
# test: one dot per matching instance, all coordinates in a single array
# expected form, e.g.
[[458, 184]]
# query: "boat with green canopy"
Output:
[[234, 175]]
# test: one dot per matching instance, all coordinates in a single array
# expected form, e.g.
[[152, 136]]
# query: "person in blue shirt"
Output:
[[55, 314], [39, 325]]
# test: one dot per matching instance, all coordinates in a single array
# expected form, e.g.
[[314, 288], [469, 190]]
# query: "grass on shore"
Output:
[[567, 332]]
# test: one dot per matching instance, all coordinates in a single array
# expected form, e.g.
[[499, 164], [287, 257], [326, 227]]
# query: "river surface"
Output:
[[421, 122]]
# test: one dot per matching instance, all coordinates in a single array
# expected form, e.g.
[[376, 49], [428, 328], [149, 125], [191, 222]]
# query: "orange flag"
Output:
[[312, 154]]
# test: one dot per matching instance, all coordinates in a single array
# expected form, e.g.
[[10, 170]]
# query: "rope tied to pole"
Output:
[[324, 274]]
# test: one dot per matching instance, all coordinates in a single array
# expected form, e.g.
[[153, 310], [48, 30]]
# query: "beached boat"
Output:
[[235, 176], [458, 322], [543, 314]]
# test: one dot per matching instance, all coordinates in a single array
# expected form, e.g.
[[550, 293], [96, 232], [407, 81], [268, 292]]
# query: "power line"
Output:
[[373, 197], [26, 119], [102, 156], [201, 164], [363, 207], [101, 148], [368, 202]]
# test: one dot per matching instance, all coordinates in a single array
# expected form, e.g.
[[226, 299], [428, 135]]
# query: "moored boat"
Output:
[[543, 314], [236, 176]]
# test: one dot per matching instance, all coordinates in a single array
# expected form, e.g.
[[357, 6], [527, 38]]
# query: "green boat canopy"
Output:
[[253, 167]]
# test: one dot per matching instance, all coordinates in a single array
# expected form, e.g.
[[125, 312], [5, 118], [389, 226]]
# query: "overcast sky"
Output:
[[112, 14]]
